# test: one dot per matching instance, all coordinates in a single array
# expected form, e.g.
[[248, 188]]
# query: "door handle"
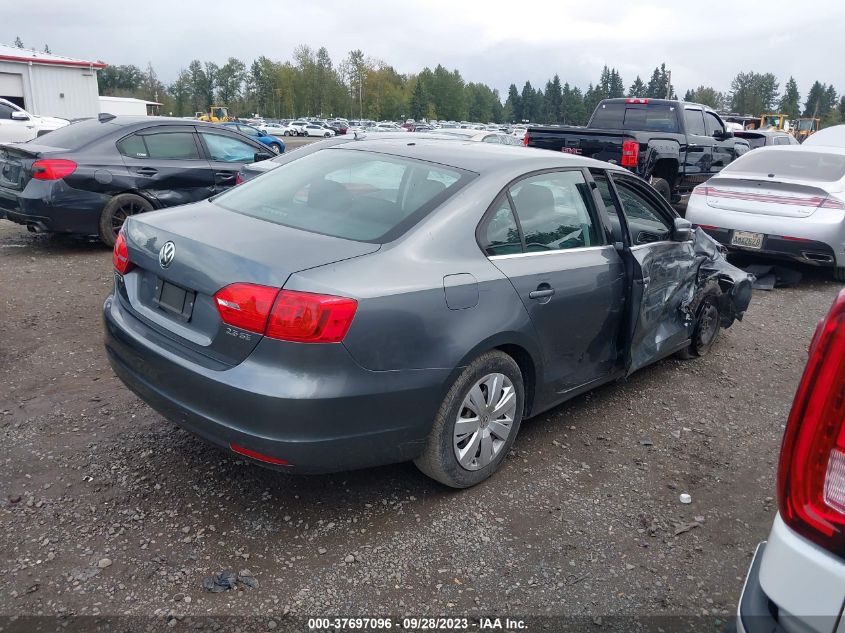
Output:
[[225, 175], [147, 171], [541, 294]]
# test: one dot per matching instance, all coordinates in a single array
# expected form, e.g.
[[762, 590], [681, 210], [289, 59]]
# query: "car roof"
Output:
[[761, 132], [833, 136], [469, 155]]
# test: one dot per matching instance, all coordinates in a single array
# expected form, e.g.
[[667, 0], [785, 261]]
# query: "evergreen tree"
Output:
[[47, 49], [637, 88], [528, 113], [18, 42], [790, 101], [514, 104], [553, 100]]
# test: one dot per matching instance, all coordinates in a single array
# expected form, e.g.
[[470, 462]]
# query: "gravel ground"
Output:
[[107, 508]]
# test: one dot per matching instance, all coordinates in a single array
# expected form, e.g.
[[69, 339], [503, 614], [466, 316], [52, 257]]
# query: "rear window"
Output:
[[800, 164], [350, 194], [75, 135], [648, 118], [754, 140]]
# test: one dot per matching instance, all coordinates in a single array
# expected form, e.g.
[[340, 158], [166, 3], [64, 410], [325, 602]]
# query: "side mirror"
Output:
[[17, 115], [722, 135], [259, 156], [681, 230]]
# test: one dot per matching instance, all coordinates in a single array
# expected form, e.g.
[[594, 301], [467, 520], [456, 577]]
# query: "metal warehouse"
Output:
[[49, 85]]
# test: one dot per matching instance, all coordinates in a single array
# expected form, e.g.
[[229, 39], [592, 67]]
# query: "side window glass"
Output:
[[713, 124], [645, 221], [227, 149], [172, 146], [133, 147], [555, 212], [500, 234], [610, 204], [694, 122], [491, 138], [5, 111]]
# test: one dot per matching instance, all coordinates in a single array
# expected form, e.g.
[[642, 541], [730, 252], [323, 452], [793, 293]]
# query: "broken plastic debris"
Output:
[[685, 498], [226, 580]]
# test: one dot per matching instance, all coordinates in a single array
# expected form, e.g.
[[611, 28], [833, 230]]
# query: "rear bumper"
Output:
[[818, 239], [793, 586], [53, 207], [330, 416]]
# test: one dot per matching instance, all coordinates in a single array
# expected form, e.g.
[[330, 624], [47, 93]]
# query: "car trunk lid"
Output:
[[764, 196], [16, 163], [211, 249]]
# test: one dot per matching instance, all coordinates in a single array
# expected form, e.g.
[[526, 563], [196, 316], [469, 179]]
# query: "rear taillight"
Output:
[[310, 318], [120, 255], [239, 178], [246, 306], [636, 100], [630, 153], [288, 315], [832, 203], [52, 168], [525, 139], [811, 472]]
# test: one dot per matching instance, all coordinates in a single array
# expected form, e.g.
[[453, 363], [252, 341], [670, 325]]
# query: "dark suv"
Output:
[[88, 177]]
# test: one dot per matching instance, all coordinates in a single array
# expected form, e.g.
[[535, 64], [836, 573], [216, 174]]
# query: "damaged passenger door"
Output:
[[663, 277]]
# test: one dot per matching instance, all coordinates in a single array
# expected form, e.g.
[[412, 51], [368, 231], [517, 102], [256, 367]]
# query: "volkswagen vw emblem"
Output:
[[166, 254]]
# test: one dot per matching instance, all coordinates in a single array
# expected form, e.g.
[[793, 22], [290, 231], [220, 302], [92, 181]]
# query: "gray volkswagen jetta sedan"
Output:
[[387, 300]]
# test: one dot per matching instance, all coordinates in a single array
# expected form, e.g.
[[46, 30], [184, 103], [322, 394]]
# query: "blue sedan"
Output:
[[273, 142]]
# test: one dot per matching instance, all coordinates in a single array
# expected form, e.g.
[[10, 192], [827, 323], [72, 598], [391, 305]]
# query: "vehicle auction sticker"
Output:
[[746, 239], [416, 624]]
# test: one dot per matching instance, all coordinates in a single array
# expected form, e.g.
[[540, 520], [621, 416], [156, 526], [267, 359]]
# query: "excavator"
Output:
[[774, 122], [804, 127], [215, 114]]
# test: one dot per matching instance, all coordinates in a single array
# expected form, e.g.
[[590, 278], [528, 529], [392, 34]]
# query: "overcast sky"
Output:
[[490, 41]]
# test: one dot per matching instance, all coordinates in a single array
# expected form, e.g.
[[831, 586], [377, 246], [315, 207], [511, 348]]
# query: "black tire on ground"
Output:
[[116, 211], [438, 459], [663, 188], [327, 134], [707, 326], [839, 274], [276, 147], [287, 132]]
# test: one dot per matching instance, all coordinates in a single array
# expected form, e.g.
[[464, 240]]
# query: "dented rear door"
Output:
[[167, 165]]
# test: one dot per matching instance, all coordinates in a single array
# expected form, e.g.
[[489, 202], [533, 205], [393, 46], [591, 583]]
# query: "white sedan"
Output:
[[312, 129], [782, 201], [796, 582], [17, 125], [278, 129]]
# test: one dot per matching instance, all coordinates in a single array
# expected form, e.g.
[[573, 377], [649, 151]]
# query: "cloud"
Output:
[[491, 41]]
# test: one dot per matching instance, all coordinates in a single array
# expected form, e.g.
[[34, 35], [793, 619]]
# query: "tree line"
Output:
[[359, 86]]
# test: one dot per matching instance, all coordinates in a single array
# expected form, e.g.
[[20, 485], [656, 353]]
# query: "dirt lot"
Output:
[[107, 508]]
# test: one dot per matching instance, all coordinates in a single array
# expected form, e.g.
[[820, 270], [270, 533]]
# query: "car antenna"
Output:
[[103, 117]]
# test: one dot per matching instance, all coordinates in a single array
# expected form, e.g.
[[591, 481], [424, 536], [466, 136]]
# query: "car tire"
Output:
[[839, 274], [663, 188], [707, 325], [116, 211], [326, 135], [495, 379], [287, 133], [276, 148]]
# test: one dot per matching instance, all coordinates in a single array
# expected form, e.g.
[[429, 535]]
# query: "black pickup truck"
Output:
[[673, 144]]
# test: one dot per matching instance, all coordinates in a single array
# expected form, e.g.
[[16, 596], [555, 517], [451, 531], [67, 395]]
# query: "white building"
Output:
[[49, 85], [129, 106]]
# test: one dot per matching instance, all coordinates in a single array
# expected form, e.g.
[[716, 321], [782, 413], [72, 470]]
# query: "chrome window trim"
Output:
[[556, 251]]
